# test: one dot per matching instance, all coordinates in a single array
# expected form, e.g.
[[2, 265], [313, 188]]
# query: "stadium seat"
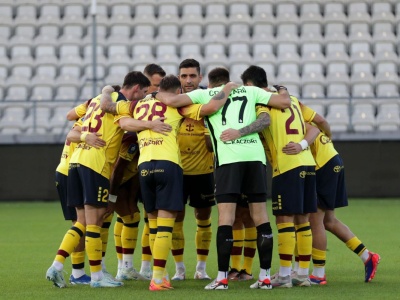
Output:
[[59, 121], [23, 35], [312, 52], [46, 54], [239, 53], [17, 93], [383, 32], [25, 14], [286, 12], [121, 14], [362, 90], [361, 72], [334, 12], [263, 13], [5, 33], [215, 13], [6, 13], [74, 13], [386, 72], [337, 72], [382, 12], [117, 54], [359, 32], [388, 118], [12, 120], [363, 117], [214, 33], [72, 34], [287, 32], [387, 92], [166, 54], [191, 50], [142, 53], [313, 72], [66, 93], [191, 33], [311, 32], [145, 14], [49, 13], [192, 13], [385, 52], [270, 70], [337, 90], [338, 117], [360, 51], [310, 13], [120, 34], [21, 55], [168, 14], [44, 73], [358, 12], [312, 91], [238, 33], [335, 32], [263, 33], [101, 58], [101, 34], [143, 34], [239, 12], [42, 93], [48, 34], [317, 105], [215, 54], [288, 73], [287, 53], [236, 70], [263, 52], [167, 33]]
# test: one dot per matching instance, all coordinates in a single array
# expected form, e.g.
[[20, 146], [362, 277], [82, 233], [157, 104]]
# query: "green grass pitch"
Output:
[[32, 231]]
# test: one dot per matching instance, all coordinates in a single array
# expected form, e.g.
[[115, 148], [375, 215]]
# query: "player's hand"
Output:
[[160, 127], [232, 85], [279, 87], [108, 89], [93, 139], [230, 135], [292, 148], [110, 209]]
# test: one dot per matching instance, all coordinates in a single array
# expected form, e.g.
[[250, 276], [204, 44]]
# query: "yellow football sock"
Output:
[[237, 247], [152, 233], [117, 237], [249, 248], [318, 257], [70, 241], [162, 246], [146, 251], [355, 245], [93, 245], [178, 242], [203, 239], [130, 233], [286, 243], [78, 260], [104, 233], [304, 244]]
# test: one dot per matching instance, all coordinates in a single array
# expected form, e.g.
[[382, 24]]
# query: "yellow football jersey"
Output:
[[287, 125], [156, 146], [196, 159], [67, 152], [96, 120]]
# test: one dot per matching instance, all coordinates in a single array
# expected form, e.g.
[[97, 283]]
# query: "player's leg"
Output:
[[237, 247], [145, 268], [319, 245], [118, 225], [202, 240], [178, 246], [249, 246]]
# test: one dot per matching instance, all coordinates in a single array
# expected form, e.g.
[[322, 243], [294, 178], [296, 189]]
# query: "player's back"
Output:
[[153, 145], [98, 121], [287, 125]]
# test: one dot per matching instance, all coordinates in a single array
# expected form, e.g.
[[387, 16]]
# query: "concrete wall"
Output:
[[27, 172]]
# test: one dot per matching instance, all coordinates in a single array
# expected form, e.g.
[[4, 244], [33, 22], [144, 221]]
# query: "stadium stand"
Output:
[[340, 57]]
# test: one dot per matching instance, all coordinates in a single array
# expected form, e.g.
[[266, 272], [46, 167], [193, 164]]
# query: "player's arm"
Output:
[[91, 138], [294, 148], [133, 125], [322, 124], [262, 121], [106, 103], [78, 111], [172, 99], [280, 100], [218, 100]]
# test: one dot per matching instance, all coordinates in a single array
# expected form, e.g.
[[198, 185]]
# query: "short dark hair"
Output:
[[170, 83], [218, 76], [151, 69], [255, 75], [134, 78], [190, 63]]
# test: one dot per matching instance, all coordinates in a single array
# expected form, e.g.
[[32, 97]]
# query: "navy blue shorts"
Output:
[[161, 183], [199, 189], [86, 187], [62, 185], [294, 192], [331, 187]]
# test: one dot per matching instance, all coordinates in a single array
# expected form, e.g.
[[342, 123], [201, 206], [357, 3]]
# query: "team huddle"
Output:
[[163, 140]]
